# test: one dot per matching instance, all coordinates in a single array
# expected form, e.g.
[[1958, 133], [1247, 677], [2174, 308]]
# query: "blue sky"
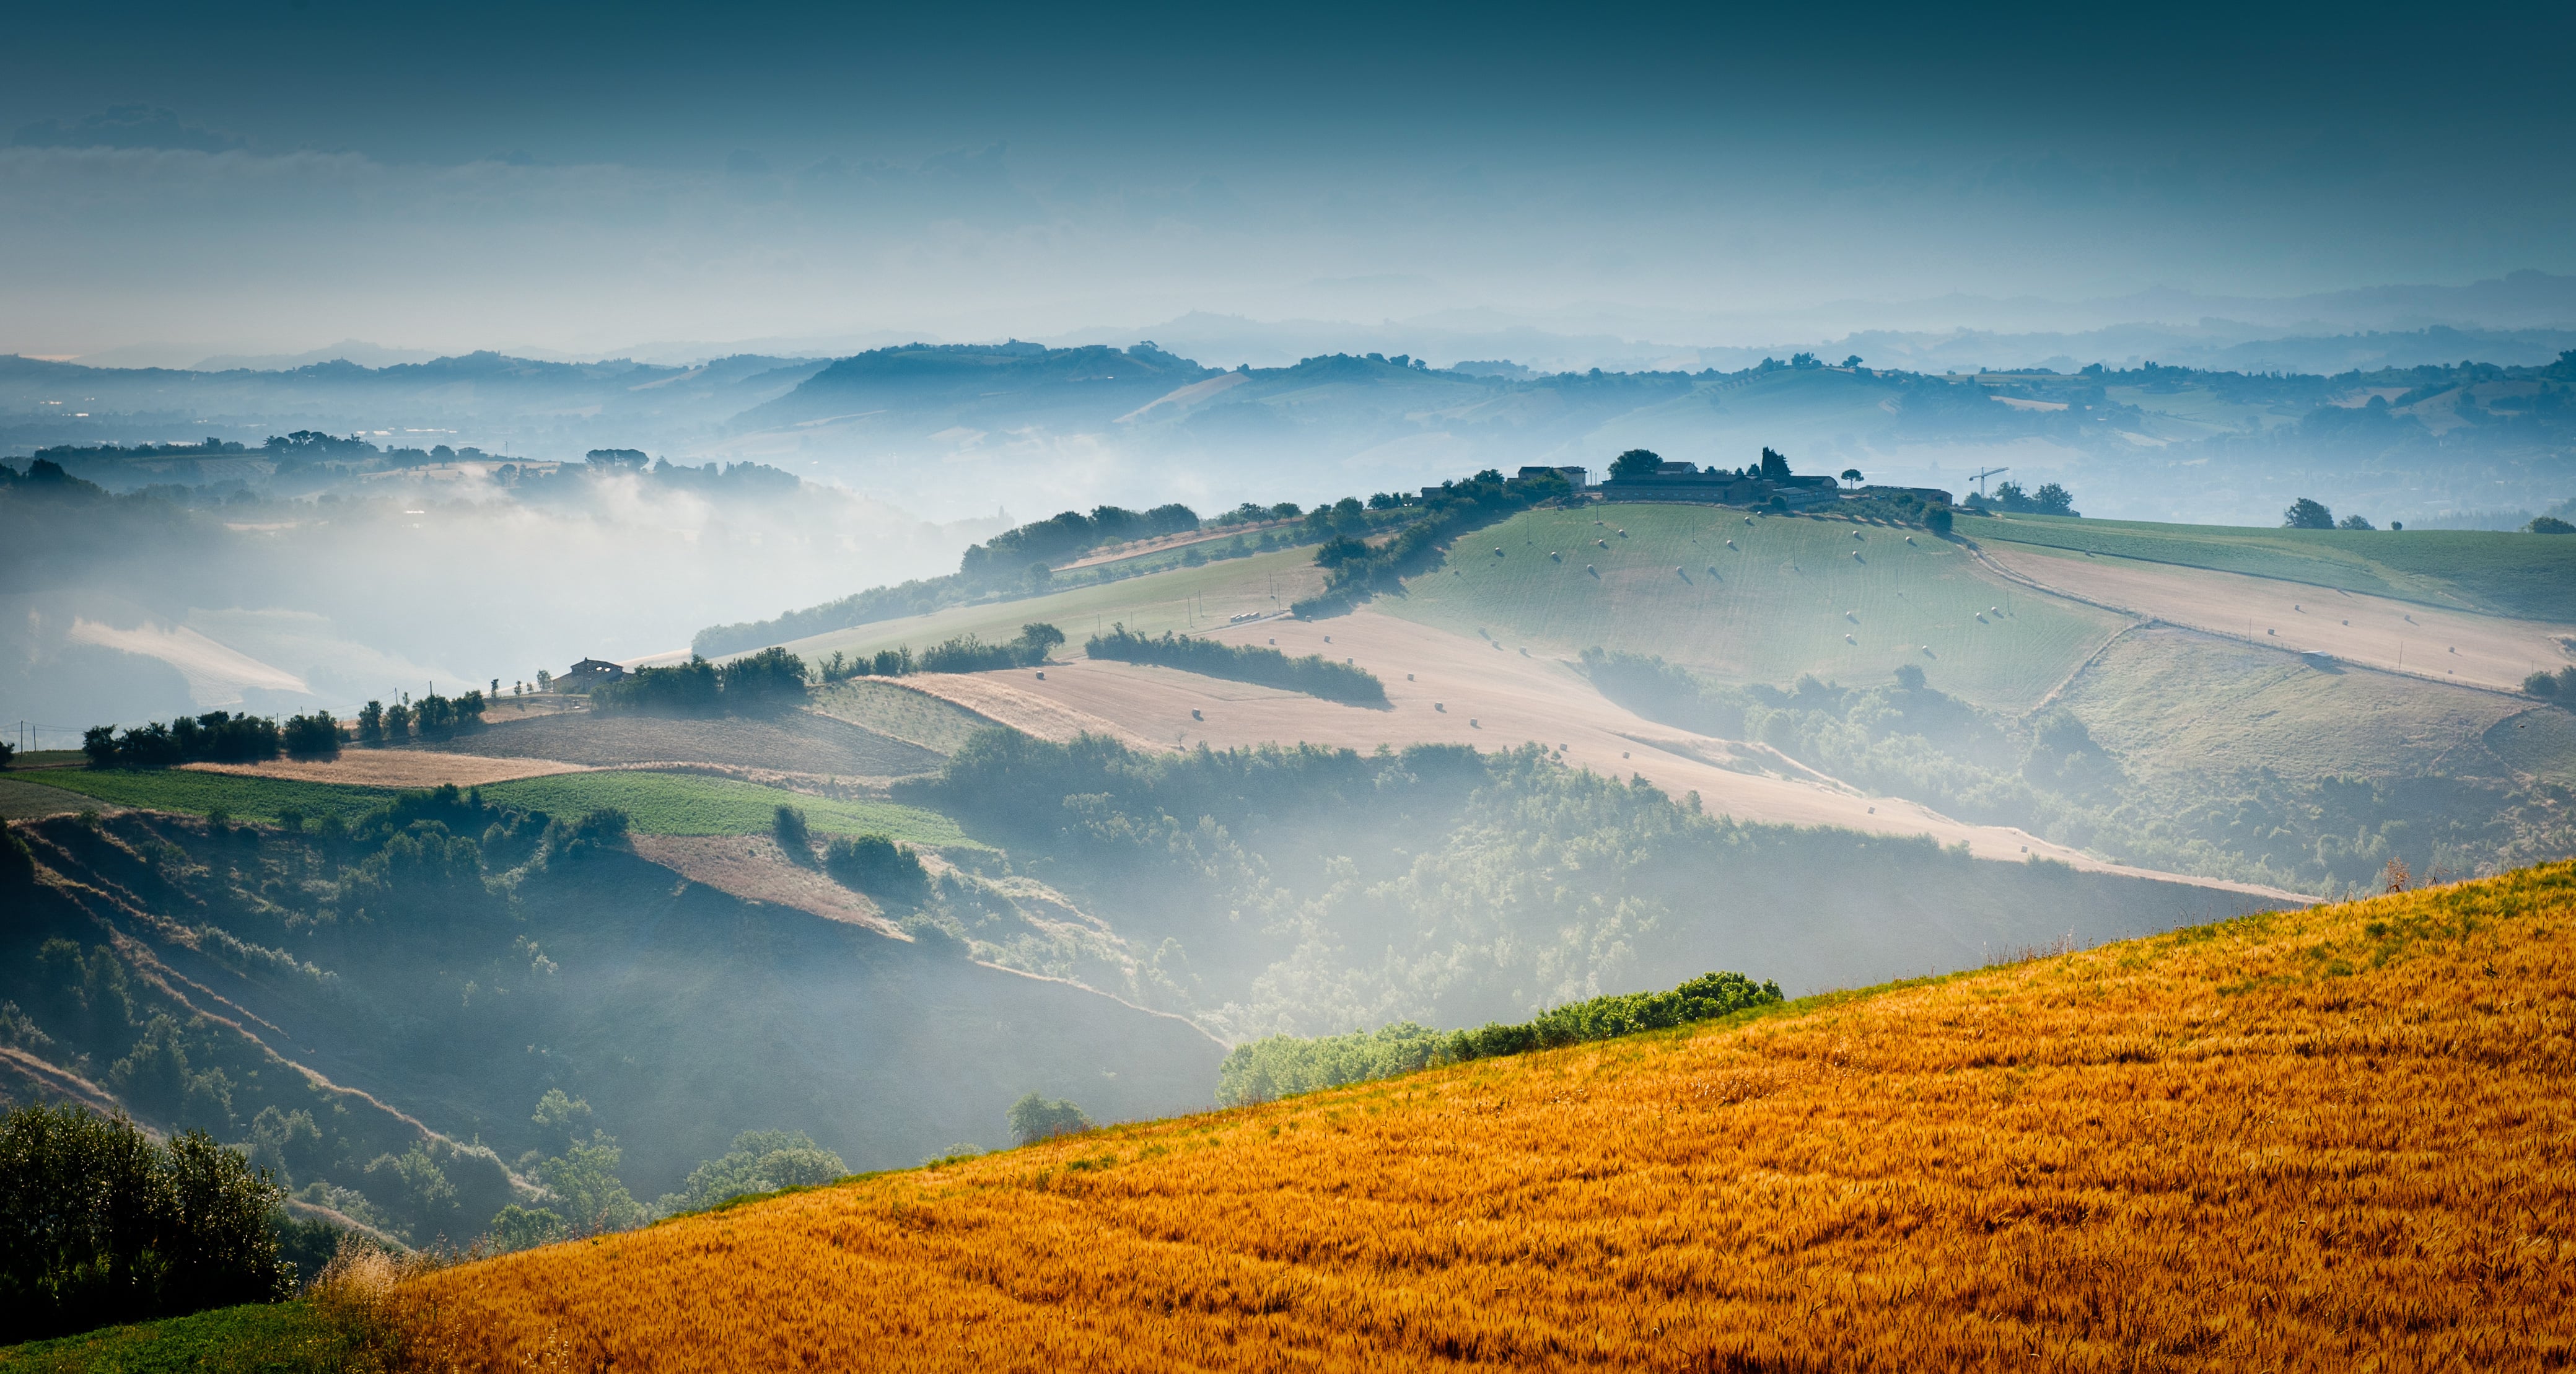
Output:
[[286, 173]]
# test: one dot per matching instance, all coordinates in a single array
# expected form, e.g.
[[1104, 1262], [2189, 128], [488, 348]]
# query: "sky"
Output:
[[281, 174]]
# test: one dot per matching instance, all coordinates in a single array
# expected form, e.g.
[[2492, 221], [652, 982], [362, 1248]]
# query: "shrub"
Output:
[[793, 834], [1313, 675], [1034, 1118], [877, 866], [99, 1225]]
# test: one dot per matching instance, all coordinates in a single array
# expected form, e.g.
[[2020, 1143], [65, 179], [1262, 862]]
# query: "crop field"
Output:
[[191, 792], [2210, 1149], [658, 803], [2531, 576], [21, 797], [1790, 597], [788, 742], [1183, 599], [900, 712], [685, 804], [2165, 699]]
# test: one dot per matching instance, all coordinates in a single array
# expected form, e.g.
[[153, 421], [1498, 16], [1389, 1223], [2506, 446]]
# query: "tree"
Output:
[[2305, 514], [1636, 463], [1852, 476], [877, 866], [2541, 684], [1034, 1118], [314, 736], [1036, 638], [2550, 524], [1852, 361], [2354, 522], [2052, 499], [757, 1162], [793, 835], [99, 1225], [1775, 466]]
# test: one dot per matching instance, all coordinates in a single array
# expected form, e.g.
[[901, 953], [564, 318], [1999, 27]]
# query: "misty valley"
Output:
[[1678, 690]]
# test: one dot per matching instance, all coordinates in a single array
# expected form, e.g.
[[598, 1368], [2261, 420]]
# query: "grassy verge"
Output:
[[271, 1338]]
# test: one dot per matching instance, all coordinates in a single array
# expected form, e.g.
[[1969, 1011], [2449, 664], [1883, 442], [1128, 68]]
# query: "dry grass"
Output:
[[2331, 1139], [394, 768]]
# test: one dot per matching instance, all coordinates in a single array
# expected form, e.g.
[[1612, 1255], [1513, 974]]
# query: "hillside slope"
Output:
[[2213, 1149]]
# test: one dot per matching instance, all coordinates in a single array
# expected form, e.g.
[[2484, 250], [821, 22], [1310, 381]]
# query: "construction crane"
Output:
[[1980, 478]]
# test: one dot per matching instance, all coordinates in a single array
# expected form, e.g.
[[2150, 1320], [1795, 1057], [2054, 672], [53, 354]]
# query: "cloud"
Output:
[[125, 126]]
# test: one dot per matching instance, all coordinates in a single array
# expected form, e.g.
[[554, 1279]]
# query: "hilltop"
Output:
[[2206, 1148]]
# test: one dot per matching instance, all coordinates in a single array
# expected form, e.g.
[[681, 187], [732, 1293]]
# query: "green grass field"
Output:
[[195, 794], [2532, 576], [683, 804], [23, 797], [1775, 608], [275, 1338], [659, 803], [1181, 599]]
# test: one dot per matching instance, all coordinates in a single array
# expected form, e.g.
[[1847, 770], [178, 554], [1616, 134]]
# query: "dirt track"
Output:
[[1494, 698], [2399, 636], [396, 768]]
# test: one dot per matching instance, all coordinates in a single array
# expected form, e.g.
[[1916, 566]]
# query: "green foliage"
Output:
[[757, 1162], [99, 1225], [312, 736], [1034, 1118], [520, 1228], [877, 866], [215, 737], [1454, 509], [585, 1184], [768, 680], [600, 830], [1636, 463], [1281, 1065], [2549, 524], [1313, 674], [2305, 514], [255, 1338], [793, 834]]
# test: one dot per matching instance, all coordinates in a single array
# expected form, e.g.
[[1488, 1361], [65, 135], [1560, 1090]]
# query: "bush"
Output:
[[2549, 524], [1034, 1118], [793, 834], [1313, 675], [1285, 1064], [98, 1225], [877, 866]]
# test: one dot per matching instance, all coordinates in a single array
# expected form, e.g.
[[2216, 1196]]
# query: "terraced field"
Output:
[[2207, 1150], [1788, 596], [2530, 576]]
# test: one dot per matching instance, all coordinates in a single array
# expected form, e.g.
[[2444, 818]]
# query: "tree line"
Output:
[[1069, 535], [1280, 1065], [768, 680], [432, 717], [1314, 675], [962, 654], [215, 737], [1357, 571]]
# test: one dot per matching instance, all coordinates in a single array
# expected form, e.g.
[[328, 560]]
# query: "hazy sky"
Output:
[[281, 174]]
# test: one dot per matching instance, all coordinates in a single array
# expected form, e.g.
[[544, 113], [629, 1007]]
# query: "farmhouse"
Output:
[[587, 674]]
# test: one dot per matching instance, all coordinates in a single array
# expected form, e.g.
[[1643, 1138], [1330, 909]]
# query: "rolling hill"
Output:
[[2207, 1149]]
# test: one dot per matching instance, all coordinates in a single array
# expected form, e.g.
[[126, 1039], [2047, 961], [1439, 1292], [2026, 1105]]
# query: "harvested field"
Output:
[[2215, 1149], [2460, 647], [791, 742], [755, 869], [2169, 700], [395, 768], [1494, 698]]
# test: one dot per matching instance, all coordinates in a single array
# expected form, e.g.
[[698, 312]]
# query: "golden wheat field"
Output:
[[2331, 1139]]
